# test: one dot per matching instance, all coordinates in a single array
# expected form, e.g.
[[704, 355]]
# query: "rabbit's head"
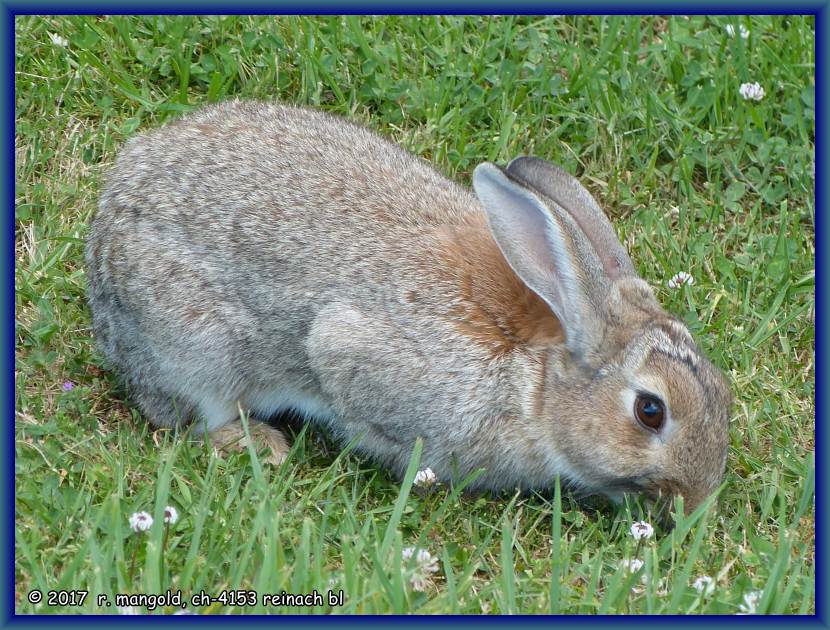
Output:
[[630, 402]]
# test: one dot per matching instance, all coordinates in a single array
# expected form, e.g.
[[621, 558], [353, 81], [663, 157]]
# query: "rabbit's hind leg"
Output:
[[220, 420], [232, 437]]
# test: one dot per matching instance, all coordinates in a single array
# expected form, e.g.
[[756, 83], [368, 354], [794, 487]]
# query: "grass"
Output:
[[646, 110]]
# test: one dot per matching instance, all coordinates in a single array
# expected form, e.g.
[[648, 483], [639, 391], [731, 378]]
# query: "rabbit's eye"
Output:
[[650, 412]]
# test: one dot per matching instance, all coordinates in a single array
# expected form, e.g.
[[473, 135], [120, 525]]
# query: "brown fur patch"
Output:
[[492, 306]]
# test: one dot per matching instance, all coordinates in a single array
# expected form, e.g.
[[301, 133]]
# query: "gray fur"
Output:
[[275, 257]]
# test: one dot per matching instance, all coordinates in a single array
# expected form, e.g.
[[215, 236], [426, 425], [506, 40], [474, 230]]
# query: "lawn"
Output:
[[649, 112]]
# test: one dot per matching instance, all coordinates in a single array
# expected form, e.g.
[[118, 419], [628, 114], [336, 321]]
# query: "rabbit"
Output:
[[266, 257]]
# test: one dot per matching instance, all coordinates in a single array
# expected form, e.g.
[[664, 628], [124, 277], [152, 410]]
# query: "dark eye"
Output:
[[649, 411]]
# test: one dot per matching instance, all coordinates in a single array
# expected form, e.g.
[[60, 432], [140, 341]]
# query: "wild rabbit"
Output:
[[270, 257]]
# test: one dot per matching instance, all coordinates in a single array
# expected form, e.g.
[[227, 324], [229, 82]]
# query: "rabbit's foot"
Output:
[[232, 437]]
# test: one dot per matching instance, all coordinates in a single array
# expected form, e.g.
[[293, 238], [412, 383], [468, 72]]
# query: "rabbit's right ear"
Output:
[[566, 191], [546, 248]]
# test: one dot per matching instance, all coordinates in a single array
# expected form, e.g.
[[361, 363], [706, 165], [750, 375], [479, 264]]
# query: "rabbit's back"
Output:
[[250, 191], [253, 161]]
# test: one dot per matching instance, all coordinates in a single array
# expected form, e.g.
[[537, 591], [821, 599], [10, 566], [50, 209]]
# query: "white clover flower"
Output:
[[141, 522], [631, 566], [425, 478], [423, 559], [425, 564], [704, 584], [742, 30], [681, 278], [419, 582], [641, 529], [752, 91], [170, 515], [750, 605], [57, 40]]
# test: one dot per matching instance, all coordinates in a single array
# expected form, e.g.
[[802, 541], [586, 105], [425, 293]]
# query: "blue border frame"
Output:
[[821, 224], [7, 385], [414, 7], [8, 11]]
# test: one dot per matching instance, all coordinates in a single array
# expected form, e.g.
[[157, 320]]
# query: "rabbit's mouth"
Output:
[[615, 488], [657, 499], [639, 484], [661, 496]]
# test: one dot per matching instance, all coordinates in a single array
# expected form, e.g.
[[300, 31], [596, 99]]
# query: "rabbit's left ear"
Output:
[[549, 251]]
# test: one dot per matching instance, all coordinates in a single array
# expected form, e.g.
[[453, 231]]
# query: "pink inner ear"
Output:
[[612, 266], [604, 241]]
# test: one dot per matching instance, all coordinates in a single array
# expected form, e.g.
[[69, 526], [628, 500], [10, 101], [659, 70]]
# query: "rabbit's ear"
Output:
[[548, 250], [565, 190]]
